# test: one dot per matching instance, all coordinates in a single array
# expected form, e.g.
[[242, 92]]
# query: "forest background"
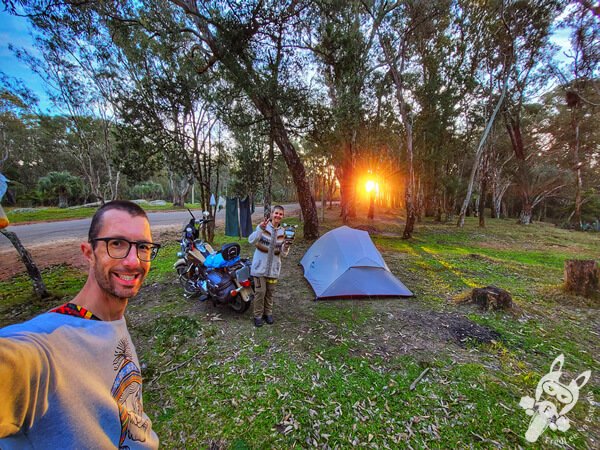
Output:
[[440, 108]]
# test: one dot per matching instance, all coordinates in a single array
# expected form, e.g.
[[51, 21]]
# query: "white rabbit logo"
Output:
[[545, 411]]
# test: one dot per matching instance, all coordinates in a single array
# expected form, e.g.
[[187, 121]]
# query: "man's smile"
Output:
[[128, 279]]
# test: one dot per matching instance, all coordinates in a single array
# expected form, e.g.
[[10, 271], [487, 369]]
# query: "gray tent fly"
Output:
[[345, 263]]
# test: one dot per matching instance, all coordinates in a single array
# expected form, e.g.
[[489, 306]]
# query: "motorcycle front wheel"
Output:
[[189, 287]]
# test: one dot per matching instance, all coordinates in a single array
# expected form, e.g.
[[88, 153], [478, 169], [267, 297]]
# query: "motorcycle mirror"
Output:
[[205, 214]]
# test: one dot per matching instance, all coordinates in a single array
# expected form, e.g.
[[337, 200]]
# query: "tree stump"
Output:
[[582, 277], [491, 297]]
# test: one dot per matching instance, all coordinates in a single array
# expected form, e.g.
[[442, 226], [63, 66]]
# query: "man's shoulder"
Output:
[[44, 323]]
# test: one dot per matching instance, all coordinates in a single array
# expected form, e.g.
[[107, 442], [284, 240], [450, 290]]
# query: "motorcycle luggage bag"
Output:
[[222, 283], [230, 251]]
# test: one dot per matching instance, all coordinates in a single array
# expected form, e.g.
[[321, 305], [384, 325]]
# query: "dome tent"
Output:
[[345, 263]]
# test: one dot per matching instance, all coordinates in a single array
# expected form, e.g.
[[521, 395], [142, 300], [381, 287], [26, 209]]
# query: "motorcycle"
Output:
[[223, 277]]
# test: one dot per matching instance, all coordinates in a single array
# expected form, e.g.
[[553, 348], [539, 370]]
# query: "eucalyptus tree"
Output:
[[556, 126], [405, 36], [492, 52], [16, 102], [441, 129], [526, 40], [30, 141], [167, 109], [236, 37], [75, 85], [579, 80], [341, 37]]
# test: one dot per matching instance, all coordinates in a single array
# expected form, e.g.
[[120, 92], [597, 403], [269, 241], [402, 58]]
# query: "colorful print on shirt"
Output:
[[127, 392], [71, 309]]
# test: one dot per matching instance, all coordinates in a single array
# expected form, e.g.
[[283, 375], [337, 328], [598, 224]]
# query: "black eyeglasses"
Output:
[[118, 248]]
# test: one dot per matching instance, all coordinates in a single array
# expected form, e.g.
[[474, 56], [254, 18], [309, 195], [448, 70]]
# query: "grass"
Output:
[[17, 302], [55, 214], [339, 373]]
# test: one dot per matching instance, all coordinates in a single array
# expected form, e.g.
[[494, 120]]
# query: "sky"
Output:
[[16, 31]]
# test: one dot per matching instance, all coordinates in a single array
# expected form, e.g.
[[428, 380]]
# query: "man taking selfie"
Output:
[[70, 378]]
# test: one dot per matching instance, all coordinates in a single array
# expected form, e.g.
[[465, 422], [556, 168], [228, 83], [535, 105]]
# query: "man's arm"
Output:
[[24, 385], [255, 236]]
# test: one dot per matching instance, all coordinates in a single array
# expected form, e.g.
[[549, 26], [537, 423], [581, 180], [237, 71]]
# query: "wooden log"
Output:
[[582, 276]]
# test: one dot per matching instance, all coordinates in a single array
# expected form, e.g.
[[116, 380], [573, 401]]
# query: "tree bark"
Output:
[[526, 213], [305, 198], [478, 153], [582, 277], [482, 196], [268, 198], [497, 196], [577, 166], [34, 273], [397, 74], [347, 186]]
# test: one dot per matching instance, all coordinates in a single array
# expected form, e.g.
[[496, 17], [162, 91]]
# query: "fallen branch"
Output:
[[172, 369], [419, 378]]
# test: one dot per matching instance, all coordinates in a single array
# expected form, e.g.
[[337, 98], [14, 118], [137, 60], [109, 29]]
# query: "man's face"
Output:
[[276, 217], [121, 278]]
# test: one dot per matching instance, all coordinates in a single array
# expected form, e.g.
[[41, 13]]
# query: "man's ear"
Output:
[[87, 250]]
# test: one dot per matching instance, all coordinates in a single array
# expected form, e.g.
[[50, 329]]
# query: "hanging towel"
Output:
[[213, 201], [245, 217], [221, 203], [232, 227]]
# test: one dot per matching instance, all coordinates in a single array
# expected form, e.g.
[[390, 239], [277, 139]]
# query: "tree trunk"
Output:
[[268, 197], [34, 273], [482, 196], [582, 277], [397, 77], [577, 166], [347, 186], [180, 190], [323, 193], [305, 198], [478, 153], [63, 201], [526, 213]]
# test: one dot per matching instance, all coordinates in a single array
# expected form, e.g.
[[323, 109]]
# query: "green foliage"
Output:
[[61, 186], [148, 190]]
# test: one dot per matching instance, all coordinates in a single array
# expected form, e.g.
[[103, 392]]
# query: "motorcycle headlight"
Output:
[[180, 254]]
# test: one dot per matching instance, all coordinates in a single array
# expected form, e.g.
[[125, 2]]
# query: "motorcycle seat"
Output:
[[195, 253]]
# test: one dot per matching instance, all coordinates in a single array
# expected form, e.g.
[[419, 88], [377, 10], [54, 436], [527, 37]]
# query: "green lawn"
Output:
[[53, 213], [338, 373]]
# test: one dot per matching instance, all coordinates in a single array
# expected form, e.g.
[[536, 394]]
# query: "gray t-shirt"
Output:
[[69, 382]]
